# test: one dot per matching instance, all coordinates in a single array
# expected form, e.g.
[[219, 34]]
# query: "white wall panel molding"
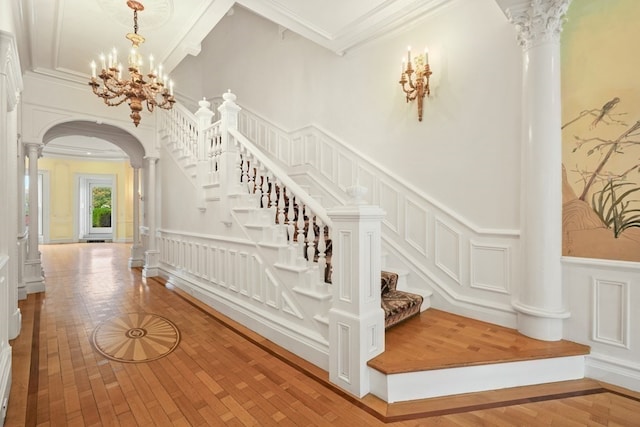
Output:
[[427, 237], [311, 134], [447, 249], [602, 295], [389, 201], [610, 312], [416, 226], [490, 267]]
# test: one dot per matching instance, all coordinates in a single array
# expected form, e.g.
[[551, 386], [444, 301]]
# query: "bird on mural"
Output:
[[605, 110]]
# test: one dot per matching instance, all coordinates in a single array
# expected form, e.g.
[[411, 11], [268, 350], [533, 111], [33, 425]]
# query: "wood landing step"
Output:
[[438, 354]]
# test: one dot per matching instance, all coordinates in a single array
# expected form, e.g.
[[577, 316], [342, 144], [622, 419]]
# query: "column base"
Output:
[[150, 264], [540, 324], [15, 324], [33, 276], [137, 256]]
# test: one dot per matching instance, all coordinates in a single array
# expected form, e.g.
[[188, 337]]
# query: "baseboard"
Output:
[[623, 373], [5, 381], [290, 337]]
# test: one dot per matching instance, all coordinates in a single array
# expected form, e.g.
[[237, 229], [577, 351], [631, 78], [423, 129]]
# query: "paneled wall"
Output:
[[603, 297]]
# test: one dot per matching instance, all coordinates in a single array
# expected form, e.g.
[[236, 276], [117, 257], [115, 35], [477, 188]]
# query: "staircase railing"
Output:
[[307, 224]]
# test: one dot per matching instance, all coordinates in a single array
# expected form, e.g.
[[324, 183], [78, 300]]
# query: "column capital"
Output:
[[151, 159], [33, 144], [537, 21]]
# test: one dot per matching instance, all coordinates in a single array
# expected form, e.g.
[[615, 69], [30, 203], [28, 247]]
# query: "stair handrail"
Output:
[[279, 173]]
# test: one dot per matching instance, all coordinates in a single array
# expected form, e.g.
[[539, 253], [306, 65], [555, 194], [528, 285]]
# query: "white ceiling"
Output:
[[60, 37]]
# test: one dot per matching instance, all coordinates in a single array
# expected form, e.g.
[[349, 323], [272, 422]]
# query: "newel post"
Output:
[[356, 319], [229, 156], [204, 116]]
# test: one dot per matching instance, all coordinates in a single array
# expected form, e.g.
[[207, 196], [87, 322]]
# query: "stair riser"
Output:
[[445, 382]]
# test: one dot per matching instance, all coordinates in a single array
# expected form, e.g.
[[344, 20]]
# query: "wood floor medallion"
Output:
[[136, 337]]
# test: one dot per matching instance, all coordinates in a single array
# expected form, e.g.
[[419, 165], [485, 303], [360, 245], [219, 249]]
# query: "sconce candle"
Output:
[[416, 86]]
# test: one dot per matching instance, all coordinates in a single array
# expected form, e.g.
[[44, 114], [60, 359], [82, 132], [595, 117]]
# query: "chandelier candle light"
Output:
[[153, 89], [416, 87]]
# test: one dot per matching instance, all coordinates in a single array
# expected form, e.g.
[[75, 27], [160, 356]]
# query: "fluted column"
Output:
[[34, 278], [137, 252], [151, 254], [539, 303]]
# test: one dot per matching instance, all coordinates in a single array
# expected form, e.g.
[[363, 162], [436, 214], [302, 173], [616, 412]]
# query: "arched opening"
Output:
[[92, 192]]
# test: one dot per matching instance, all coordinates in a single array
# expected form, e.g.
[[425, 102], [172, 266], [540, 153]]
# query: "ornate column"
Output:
[[151, 255], [356, 319], [34, 277], [539, 303], [137, 252]]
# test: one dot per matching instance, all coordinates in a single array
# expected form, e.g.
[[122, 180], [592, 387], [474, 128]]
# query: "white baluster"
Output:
[[290, 218], [244, 177], [252, 179], [311, 239], [265, 190], [272, 195], [322, 249], [300, 224], [280, 203]]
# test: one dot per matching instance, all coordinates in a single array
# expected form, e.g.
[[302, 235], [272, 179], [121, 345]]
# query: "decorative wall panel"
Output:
[[610, 312], [389, 202], [490, 267], [346, 172], [416, 226], [447, 247]]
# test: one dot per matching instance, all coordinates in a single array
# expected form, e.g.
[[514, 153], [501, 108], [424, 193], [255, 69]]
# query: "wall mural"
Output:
[[601, 130]]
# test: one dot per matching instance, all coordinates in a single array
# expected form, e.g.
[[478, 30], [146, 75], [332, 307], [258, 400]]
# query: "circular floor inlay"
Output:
[[136, 337]]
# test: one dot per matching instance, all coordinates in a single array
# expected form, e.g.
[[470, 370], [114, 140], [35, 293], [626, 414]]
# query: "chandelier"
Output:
[[152, 89]]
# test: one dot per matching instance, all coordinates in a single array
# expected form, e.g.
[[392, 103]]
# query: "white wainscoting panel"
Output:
[[447, 250], [490, 267], [346, 171], [610, 312], [327, 160], [367, 179], [420, 235], [297, 150], [603, 297], [416, 226], [390, 203]]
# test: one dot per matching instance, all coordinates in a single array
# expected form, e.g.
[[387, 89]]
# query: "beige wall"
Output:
[[63, 184]]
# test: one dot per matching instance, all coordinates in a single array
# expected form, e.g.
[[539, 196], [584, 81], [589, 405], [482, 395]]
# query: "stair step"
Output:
[[440, 354]]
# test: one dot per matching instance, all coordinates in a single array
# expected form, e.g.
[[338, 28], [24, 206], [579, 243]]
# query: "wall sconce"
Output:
[[416, 87]]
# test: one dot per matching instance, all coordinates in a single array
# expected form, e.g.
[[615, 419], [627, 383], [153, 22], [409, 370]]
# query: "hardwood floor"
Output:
[[437, 339], [222, 373]]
